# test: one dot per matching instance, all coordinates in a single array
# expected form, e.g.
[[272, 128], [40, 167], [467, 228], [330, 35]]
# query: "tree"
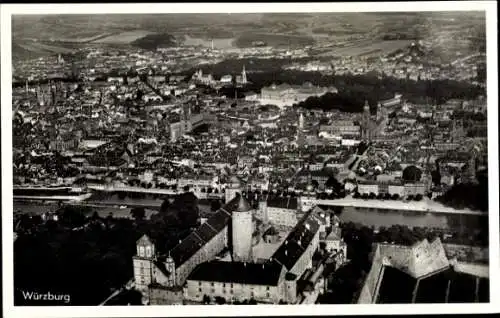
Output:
[[74, 216], [418, 197], [332, 183], [164, 206], [395, 196], [215, 205], [206, 299], [338, 210], [315, 184], [220, 300], [184, 209], [412, 174], [372, 195], [436, 177], [138, 213]]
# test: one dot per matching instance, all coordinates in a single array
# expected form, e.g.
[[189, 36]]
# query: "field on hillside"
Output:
[[219, 43], [274, 40], [86, 37], [123, 37], [32, 50], [369, 47], [37, 46]]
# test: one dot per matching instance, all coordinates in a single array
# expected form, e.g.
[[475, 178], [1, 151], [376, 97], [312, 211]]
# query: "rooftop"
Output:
[[242, 204], [267, 274], [297, 241]]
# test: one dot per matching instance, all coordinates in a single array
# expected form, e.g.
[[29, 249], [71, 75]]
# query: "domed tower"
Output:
[[233, 188], [242, 230]]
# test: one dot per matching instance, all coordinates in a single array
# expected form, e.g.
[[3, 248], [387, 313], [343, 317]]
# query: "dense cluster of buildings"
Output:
[[410, 62], [128, 123]]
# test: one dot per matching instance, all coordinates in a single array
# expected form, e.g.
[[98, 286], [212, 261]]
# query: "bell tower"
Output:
[[379, 112], [366, 121], [170, 266], [143, 263], [243, 76]]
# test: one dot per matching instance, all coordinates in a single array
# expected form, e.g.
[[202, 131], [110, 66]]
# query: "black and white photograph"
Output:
[[249, 155]]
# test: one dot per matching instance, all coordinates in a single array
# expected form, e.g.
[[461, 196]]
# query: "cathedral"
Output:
[[369, 123], [194, 270]]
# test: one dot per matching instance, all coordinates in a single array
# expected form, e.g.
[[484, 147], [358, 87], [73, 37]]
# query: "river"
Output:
[[104, 205], [378, 218]]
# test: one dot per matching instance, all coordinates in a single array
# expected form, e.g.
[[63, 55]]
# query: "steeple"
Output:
[[366, 107], [379, 111], [300, 130], [243, 75], [366, 121]]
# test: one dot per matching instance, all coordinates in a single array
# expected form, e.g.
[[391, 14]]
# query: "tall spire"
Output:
[[243, 76], [366, 106], [366, 121]]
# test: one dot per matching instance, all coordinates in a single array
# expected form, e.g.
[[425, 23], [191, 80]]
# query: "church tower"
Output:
[[170, 266], [143, 263], [300, 130], [379, 112], [186, 112], [243, 76], [242, 230], [366, 121]]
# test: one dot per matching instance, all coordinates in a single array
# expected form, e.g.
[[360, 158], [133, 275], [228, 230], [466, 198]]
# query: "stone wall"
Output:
[[467, 253]]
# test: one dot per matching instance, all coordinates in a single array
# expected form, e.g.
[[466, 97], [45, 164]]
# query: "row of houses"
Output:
[[391, 188]]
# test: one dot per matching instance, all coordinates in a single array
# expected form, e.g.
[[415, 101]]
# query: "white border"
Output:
[[158, 311]]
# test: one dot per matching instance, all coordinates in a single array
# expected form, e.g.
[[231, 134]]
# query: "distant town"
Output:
[[192, 174]]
